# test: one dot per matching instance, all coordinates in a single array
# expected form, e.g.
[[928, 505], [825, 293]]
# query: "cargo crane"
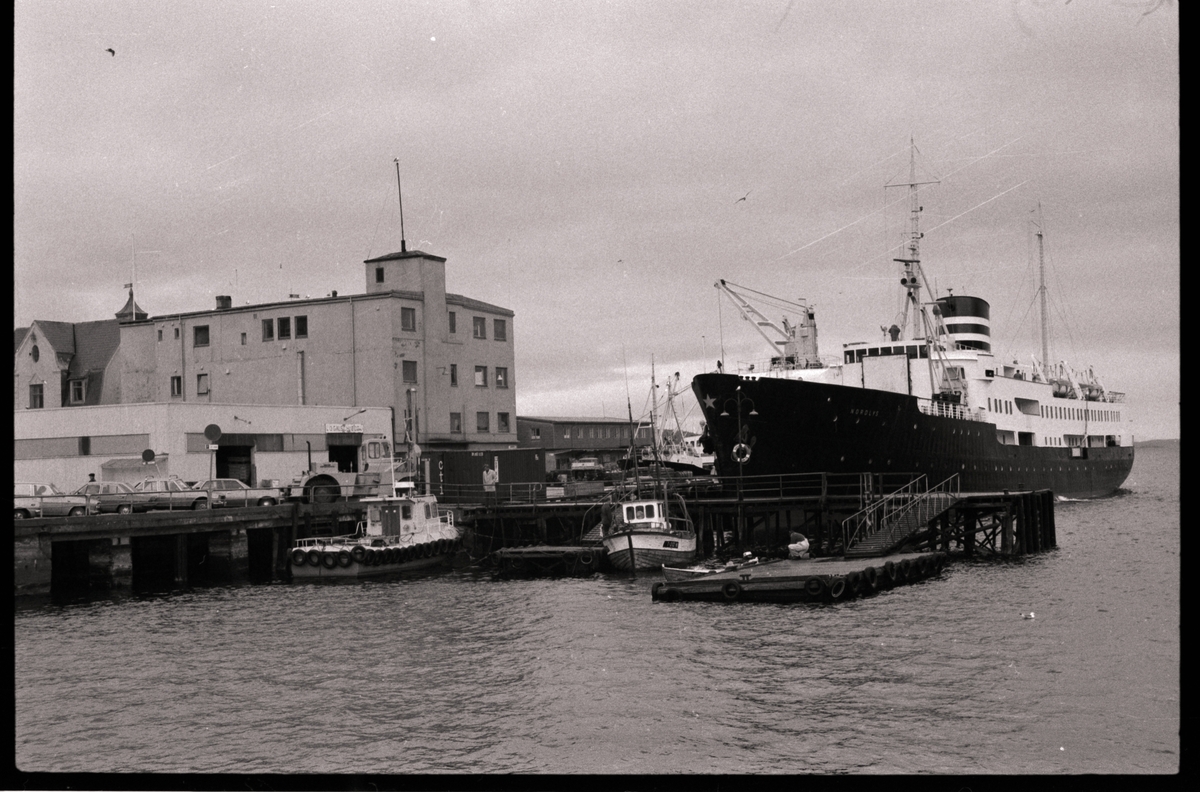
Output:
[[793, 346]]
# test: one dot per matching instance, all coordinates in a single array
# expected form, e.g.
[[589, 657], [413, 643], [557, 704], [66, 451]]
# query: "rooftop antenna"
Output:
[[403, 245]]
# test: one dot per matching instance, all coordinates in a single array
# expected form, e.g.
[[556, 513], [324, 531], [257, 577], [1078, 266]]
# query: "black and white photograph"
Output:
[[429, 393]]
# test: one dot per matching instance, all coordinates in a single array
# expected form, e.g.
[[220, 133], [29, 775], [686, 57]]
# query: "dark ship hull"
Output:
[[806, 427]]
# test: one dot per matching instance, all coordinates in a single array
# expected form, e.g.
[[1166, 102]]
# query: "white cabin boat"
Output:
[[641, 534]]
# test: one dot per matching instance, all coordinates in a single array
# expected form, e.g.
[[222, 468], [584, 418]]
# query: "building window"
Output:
[[453, 322], [301, 327], [285, 327], [408, 370], [501, 377], [160, 334], [35, 397], [408, 319], [202, 384], [480, 327], [535, 432], [481, 376], [34, 353], [379, 274], [268, 329], [499, 330], [456, 423], [502, 423], [243, 339], [176, 333], [481, 422], [78, 391], [200, 336], [453, 375], [176, 386]]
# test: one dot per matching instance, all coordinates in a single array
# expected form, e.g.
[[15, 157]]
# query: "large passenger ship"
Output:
[[932, 400]]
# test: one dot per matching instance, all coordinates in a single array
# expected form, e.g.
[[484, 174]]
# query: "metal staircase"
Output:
[[886, 524]]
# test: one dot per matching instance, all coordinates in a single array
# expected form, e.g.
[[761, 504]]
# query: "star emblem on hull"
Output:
[[709, 401]]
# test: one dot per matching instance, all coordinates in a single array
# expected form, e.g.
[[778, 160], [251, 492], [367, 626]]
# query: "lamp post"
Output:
[[740, 450]]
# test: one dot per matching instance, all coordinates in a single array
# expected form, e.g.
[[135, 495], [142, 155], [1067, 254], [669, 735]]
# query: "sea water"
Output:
[[458, 673]]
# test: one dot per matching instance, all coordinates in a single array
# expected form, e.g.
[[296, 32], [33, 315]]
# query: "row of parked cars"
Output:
[[118, 497]]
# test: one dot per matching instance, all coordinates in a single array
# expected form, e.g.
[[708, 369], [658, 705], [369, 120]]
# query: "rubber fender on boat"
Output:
[[443, 546], [923, 565], [430, 549], [344, 558], [838, 588], [731, 591], [389, 555], [657, 587], [401, 554], [299, 557], [671, 595], [374, 557], [314, 557], [871, 575], [854, 582], [889, 569], [359, 553], [906, 568], [814, 586], [329, 559]]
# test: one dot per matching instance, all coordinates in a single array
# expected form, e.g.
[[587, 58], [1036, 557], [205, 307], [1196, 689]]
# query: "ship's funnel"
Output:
[[968, 321]]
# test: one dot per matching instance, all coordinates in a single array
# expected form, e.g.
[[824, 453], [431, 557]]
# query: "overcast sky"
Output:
[[581, 163]]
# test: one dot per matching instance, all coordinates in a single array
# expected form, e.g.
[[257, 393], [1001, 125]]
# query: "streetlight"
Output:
[[741, 449]]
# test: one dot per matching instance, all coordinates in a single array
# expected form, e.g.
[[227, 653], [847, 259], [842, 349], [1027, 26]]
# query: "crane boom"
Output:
[[797, 352]]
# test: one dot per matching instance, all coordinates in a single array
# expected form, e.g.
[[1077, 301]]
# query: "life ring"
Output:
[[731, 591], [344, 559], [329, 559], [299, 557], [359, 553], [585, 559], [871, 576], [854, 582], [814, 586], [741, 453], [890, 570], [314, 557], [838, 588]]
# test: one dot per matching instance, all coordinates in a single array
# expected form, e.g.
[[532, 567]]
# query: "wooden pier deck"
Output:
[[807, 580]]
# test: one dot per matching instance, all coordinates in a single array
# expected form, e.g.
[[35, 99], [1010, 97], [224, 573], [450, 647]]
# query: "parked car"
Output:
[[233, 492], [114, 497], [168, 493], [47, 500]]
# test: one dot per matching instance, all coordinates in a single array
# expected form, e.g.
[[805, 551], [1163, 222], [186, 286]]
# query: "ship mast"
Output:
[[913, 275], [1042, 293]]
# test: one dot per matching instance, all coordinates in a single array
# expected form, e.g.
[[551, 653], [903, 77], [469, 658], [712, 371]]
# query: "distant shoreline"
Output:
[[1156, 443]]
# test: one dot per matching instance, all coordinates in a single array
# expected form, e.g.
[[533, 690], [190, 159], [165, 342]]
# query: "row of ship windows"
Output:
[[1055, 411], [281, 328]]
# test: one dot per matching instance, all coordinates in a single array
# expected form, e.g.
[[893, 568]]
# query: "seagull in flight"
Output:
[[111, 51], [739, 200]]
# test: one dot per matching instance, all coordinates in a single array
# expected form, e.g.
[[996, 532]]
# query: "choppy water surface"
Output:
[[456, 673]]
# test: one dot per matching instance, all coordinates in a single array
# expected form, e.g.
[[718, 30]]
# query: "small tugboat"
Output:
[[403, 532]]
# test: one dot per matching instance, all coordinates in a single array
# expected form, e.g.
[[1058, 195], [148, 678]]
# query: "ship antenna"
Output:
[[912, 262], [403, 246], [1042, 289]]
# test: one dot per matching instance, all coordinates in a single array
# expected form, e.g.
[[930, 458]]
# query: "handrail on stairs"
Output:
[[915, 498]]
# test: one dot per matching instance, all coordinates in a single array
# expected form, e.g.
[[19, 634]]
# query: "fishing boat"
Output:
[[402, 532], [928, 397], [641, 534], [673, 574]]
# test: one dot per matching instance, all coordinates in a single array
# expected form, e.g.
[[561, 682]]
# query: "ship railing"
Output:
[[822, 485], [946, 410], [914, 504]]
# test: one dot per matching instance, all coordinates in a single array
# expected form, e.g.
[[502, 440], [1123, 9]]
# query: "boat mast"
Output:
[[654, 425]]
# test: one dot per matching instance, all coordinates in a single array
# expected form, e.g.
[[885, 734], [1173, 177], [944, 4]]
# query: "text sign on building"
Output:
[[343, 428], [213, 447]]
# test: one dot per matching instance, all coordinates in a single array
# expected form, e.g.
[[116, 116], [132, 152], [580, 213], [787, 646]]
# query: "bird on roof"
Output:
[[111, 51]]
